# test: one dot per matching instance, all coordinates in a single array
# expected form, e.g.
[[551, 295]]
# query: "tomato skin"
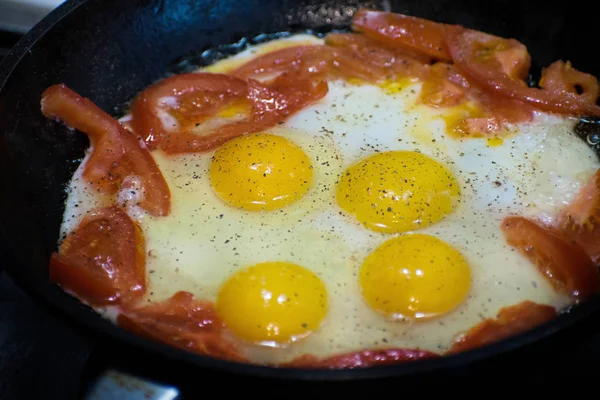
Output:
[[361, 359], [564, 263], [116, 154], [462, 44], [184, 322], [103, 260], [509, 322], [416, 34]]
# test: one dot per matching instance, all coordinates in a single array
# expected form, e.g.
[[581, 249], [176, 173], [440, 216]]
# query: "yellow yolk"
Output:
[[414, 276], [260, 172], [457, 117], [397, 191], [397, 86], [234, 110], [272, 302], [495, 142]]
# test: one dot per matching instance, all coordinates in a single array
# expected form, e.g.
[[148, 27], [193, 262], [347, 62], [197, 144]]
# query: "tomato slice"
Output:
[[190, 96], [562, 79], [385, 61], [285, 95], [306, 57], [344, 56], [193, 97], [415, 34], [509, 322], [581, 219], [116, 152], [361, 359], [184, 322], [562, 262], [306, 62], [485, 113], [103, 260], [476, 55]]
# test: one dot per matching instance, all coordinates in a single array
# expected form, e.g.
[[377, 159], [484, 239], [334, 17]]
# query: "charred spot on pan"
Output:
[[588, 129]]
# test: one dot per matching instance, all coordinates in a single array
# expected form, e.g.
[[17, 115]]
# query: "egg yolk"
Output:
[[272, 302], [260, 172], [397, 191], [414, 276]]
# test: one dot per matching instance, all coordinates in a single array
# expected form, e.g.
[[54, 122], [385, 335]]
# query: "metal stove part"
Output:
[[114, 384], [21, 15]]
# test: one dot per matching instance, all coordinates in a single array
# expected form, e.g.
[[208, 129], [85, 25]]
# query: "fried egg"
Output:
[[358, 223]]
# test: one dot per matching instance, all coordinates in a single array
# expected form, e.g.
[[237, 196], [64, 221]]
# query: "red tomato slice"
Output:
[[268, 105], [361, 359], [562, 79], [383, 61], [444, 86], [184, 322], [415, 34], [286, 59], [345, 56], [103, 260], [306, 62], [116, 152], [475, 54], [190, 96], [509, 322], [563, 262], [581, 219], [285, 95]]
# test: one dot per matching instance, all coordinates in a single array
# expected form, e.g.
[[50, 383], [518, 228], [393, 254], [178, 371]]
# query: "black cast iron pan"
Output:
[[108, 50]]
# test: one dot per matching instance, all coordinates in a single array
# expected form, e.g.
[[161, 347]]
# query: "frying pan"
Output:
[[108, 50]]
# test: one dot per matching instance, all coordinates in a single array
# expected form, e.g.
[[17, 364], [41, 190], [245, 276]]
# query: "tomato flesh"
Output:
[[491, 74], [564, 263], [509, 322], [103, 260], [116, 152], [190, 96], [580, 221], [416, 34], [184, 322], [562, 79]]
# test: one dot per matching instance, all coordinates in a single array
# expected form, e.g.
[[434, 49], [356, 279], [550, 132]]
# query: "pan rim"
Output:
[[76, 312]]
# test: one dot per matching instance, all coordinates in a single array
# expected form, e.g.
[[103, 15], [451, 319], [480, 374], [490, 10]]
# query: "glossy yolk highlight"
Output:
[[260, 172], [414, 276], [397, 191], [272, 302]]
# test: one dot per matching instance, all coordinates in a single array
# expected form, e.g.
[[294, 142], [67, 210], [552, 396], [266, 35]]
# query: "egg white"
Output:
[[535, 172]]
